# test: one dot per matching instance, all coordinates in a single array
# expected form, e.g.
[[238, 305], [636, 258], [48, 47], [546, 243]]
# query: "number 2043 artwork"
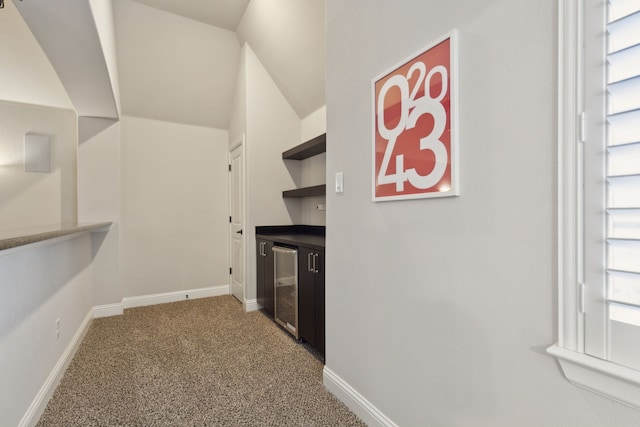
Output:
[[415, 147]]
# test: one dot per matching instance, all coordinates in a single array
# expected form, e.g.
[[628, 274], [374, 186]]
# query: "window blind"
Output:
[[623, 161]]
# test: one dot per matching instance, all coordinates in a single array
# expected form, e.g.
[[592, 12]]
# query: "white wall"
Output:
[[38, 287], [439, 310], [313, 169], [238, 117], [272, 127], [28, 198], [174, 229], [314, 124], [99, 194]]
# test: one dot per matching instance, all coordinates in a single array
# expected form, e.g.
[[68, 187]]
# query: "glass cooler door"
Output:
[[286, 288]]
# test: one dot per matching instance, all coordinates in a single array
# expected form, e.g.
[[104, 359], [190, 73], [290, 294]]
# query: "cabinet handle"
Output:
[[315, 266], [309, 267], [262, 249]]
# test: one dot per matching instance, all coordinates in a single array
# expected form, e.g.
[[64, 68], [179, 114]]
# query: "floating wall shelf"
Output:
[[313, 147], [316, 190]]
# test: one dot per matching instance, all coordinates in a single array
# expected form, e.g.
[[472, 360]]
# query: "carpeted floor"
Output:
[[203, 362]]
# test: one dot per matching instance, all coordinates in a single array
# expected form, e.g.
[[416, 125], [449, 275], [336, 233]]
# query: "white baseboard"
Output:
[[144, 300], [360, 406], [37, 407], [251, 305], [117, 309], [108, 310]]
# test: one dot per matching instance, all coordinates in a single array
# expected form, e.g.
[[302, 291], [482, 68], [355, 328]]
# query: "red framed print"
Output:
[[415, 146]]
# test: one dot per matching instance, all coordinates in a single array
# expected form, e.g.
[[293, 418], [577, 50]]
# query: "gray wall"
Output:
[[439, 311]]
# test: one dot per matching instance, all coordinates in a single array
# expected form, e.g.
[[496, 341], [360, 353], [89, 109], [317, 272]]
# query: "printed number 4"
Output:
[[419, 107]]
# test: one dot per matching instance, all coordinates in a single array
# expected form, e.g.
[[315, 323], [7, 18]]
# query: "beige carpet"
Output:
[[195, 363]]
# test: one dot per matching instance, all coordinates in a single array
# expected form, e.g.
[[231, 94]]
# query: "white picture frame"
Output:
[[415, 147]]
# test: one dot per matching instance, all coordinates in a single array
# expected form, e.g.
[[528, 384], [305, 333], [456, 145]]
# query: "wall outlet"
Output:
[[57, 329]]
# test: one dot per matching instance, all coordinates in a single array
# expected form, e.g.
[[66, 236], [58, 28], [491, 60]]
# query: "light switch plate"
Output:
[[339, 182]]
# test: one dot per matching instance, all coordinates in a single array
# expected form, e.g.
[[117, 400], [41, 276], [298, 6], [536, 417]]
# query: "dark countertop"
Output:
[[296, 235], [25, 236]]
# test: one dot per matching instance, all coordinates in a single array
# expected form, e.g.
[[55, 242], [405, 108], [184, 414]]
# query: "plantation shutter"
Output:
[[623, 181]]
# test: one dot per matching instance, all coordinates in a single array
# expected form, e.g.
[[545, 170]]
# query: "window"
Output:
[[599, 196]]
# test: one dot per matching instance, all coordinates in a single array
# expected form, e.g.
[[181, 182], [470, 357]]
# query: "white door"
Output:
[[236, 221]]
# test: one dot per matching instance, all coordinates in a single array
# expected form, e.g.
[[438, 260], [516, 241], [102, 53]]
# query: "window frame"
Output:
[[601, 376]]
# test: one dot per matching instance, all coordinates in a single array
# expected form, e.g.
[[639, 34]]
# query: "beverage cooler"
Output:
[[286, 288]]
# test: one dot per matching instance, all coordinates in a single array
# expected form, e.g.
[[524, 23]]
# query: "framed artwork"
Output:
[[415, 118]]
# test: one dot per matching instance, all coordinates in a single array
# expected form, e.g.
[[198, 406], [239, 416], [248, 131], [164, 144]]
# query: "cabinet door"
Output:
[[268, 277], [319, 301], [259, 272], [306, 296], [264, 274]]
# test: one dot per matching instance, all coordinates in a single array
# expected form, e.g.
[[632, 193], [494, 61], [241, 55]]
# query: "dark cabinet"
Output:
[[264, 275], [309, 242], [311, 296]]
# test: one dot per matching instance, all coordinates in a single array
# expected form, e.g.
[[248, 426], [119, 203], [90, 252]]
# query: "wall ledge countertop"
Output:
[[23, 236], [312, 236]]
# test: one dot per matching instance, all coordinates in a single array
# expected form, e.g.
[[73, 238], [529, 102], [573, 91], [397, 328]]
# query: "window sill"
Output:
[[600, 376]]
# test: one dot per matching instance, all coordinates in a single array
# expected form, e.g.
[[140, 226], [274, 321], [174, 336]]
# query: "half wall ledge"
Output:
[[19, 237]]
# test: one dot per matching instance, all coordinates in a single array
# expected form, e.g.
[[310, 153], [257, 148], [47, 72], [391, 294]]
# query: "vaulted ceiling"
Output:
[[219, 13], [178, 60]]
